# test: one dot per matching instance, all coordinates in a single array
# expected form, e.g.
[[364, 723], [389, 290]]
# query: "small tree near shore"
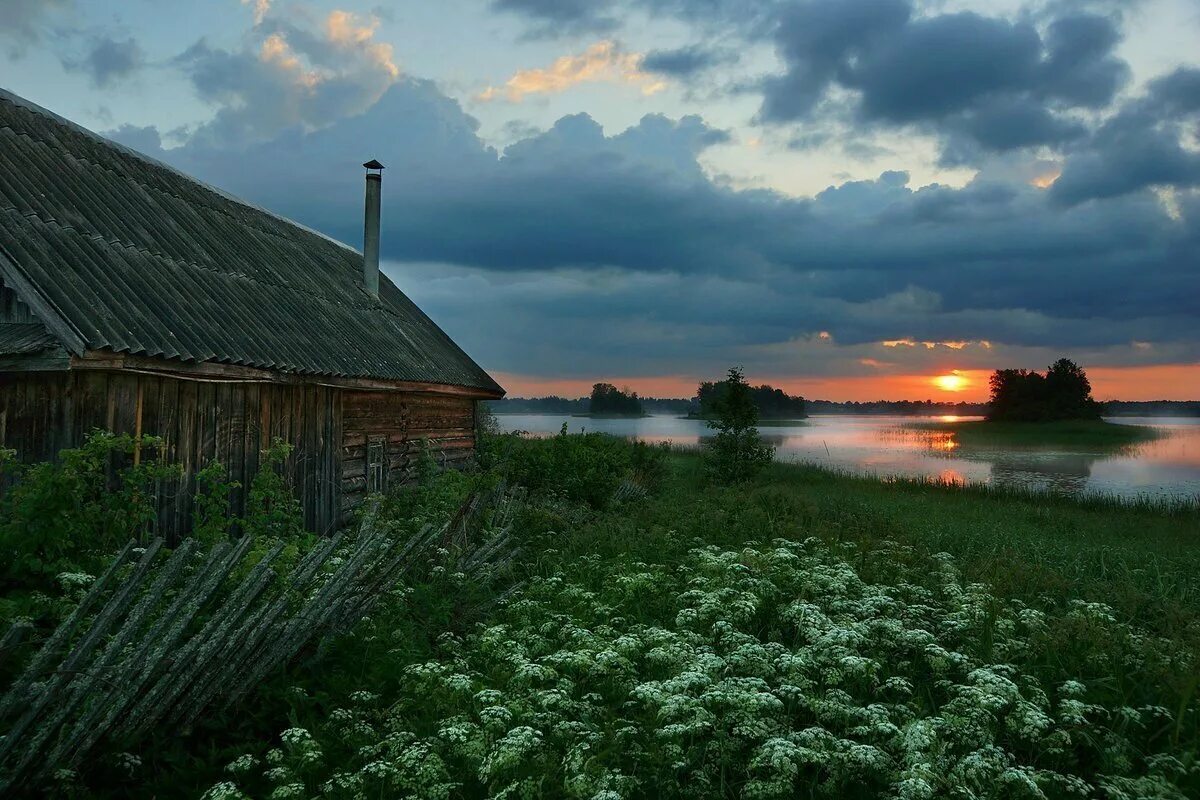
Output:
[[736, 452]]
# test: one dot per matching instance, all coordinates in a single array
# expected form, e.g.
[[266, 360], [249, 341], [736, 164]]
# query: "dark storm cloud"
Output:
[[985, 83], [1140, 146], [106, 60], [551, 18], [562, 17], [625, 236], [1080, 68], [685, 62]]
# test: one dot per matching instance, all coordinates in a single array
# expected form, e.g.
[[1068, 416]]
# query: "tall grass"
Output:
[[807, 634], [804, 634]]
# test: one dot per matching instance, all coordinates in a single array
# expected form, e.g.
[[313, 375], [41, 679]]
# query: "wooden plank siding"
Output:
[[43, 413], [232, 422]]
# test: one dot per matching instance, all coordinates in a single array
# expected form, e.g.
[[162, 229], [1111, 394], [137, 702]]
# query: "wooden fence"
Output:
[[161, 638]]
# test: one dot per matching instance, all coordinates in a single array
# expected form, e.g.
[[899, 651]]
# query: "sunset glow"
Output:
[[1167, 381], [952, 382]]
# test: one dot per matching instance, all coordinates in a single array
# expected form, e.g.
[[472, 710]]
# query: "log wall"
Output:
[[387, 428]]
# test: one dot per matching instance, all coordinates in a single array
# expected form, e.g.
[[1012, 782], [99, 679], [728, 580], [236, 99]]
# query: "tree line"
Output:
[[1062, 392], [771, 403]]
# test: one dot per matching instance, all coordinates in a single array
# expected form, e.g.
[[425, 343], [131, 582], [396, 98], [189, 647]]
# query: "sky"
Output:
[[847, 198]]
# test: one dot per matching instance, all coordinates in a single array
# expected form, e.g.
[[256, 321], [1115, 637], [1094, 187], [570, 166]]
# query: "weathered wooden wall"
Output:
[[396, 423], [42, 413], [332, 430]]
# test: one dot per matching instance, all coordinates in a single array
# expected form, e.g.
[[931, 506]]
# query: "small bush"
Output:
[[210, 508], [271, 507], [736, 452], [70, 514], [586, 468]]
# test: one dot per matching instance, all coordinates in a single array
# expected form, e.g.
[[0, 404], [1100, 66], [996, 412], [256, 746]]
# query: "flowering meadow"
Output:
[[650, 634], [769, 669]]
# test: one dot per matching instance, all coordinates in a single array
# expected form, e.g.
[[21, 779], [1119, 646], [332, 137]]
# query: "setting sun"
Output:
[[952, 382]]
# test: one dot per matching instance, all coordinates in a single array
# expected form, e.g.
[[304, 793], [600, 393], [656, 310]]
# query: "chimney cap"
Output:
[[373, 164]]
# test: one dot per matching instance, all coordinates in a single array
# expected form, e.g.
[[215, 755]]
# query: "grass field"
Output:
[[739, 641], [1140, 556], [1084, 435], [804, 634]]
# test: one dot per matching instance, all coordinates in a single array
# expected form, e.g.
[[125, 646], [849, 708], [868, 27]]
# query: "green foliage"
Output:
[[69, 514], [771, 403], [433, 497], [272, 510], [770, 671], [1088, 435], [735, 452], [803, 635], [584, 468], [1063, 393], [210, 510], [608, 399], [486, 424]]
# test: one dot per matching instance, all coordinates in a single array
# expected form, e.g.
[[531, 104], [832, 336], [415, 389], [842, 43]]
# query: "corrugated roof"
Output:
[[19, 338], [140, 258]]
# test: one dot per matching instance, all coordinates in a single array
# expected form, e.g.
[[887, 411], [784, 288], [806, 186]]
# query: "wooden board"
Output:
[[42, 413]]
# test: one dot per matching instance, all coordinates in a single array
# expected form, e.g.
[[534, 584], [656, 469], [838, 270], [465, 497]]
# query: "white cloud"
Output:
[[291, 74]]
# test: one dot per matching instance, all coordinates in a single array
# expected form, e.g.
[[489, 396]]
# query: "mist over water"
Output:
[[882, 446]]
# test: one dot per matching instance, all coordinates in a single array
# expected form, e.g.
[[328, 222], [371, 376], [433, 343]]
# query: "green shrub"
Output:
[[210, 507], [735, 452], [586, 468], [648, 464], [69, 514], [271, 507]]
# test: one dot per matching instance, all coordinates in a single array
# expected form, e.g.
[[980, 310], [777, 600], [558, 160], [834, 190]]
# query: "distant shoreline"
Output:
[[599, 416], [930, 415]]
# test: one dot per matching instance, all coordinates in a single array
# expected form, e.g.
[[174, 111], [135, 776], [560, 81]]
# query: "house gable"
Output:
[[25, 341]]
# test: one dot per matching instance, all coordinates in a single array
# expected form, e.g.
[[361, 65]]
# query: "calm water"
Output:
[[882, 446]]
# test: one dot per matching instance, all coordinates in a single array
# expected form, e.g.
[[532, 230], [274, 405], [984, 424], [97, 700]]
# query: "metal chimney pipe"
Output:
[[371, 227]]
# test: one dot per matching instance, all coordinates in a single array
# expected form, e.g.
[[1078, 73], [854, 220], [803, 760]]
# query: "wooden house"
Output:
[[136, 299]]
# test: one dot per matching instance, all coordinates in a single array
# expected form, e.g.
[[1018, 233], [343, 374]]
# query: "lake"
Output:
[[882, 446]]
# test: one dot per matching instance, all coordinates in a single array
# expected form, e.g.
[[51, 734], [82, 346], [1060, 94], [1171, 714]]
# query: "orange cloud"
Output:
[[1158, 382], [344, 30], [953, 345], [602, 62], [276, 51], [1046, 179]]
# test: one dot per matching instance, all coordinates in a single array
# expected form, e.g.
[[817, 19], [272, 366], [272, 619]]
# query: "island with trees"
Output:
[[1027, 407], [609, 401]]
